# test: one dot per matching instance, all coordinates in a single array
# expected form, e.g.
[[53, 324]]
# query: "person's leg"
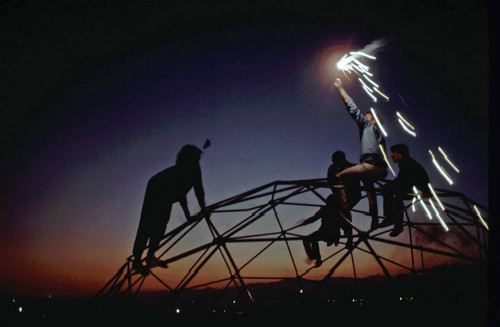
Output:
[[399, 208], [388, 195], [157, 232]]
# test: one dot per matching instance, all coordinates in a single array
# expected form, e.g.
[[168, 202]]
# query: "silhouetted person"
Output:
[[372, 166], [329, 230], [351, 182], [410, 174], [163, 190]]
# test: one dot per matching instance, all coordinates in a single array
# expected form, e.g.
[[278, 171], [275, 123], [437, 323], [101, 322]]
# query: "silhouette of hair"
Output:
[[338, 156], [188, 154], [401, 148]]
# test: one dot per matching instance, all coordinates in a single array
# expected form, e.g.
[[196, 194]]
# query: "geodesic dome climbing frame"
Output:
[[256, 237]]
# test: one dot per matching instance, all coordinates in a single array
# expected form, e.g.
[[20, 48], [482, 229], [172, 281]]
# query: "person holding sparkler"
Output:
[[372, 166], [410, 174]]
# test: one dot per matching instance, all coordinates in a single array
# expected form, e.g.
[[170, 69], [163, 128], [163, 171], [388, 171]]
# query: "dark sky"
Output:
[[98, 96]]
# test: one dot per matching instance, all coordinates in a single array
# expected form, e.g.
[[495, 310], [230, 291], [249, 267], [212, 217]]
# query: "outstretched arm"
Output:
[[200, 196], [185, 208], [340, 89]]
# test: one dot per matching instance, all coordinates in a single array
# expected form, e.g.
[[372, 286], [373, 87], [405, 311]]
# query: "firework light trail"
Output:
[[406, 125], [441, 169], [385, 158], [351, 63], [448, 160], [481, 218], [419, 198]]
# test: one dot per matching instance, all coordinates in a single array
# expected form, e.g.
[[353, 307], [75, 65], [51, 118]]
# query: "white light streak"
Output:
[[441, 169], [362, 54], [385, 158], [369, 92], [378, 122], [445, 227], [382, 94], [413, 203], [412, 133], [481, 218], [369, 80], [422, 202], [404, 120], [448, 160], [436, 197]]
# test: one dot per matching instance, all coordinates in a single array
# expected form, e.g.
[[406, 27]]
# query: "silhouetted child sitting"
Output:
[[329, 231]]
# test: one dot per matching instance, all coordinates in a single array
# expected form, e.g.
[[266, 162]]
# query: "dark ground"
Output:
[[445, 296]]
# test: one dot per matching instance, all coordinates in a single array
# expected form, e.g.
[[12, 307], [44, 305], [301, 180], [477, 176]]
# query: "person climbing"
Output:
[[163, 190], [329, 230]]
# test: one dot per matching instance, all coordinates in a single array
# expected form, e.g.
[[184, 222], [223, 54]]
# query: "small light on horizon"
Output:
[[177, 310]]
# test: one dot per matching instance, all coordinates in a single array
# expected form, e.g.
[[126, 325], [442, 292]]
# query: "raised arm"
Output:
[[353, 110], [340, 89]]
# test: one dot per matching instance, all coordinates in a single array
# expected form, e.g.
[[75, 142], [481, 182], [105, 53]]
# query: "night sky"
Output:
[[98, 97]]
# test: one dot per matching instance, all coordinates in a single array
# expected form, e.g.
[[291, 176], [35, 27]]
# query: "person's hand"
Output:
[[338, 83]]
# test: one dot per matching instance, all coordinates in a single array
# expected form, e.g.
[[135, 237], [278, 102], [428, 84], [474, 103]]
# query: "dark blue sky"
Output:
[[100, 97]]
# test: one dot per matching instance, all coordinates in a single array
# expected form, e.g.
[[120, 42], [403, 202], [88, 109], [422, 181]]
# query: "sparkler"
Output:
[[481, 218], [385, 158], [448, 160], [405, 124], [441, 169], [350, 64]]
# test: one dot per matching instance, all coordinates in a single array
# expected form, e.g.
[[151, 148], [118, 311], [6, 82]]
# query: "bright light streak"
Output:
[[436, 197], [441, 169], [422, 202], [385, 158], [369, 92], [412, 133], [405, 124], [382, 94], [362, 54], [481, 218], [445, 227], [369, 80], [378, 122], [404, 120], [413, 203], [448, 160]]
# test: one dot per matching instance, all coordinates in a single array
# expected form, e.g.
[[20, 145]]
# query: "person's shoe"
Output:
[[396, 231], [155, 262], [374, 224], [139, 268], [348, 244], [386, 222], [318, 263]]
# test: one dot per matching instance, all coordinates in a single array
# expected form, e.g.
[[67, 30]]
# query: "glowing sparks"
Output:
[[351, 63], [481, 218], [419, 198], [406, 125], [378, 122], [448, 160], [435, 196], [385, 158], [445, 227], [441, 169]]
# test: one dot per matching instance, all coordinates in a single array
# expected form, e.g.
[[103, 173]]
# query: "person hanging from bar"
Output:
[[372, 166], [329, 230], [411, 173], [163, 190]]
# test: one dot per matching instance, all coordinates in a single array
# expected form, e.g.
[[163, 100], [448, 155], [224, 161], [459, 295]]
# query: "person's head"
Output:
[[188, 155], [369, 116], [399, 151], [338, 157]]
